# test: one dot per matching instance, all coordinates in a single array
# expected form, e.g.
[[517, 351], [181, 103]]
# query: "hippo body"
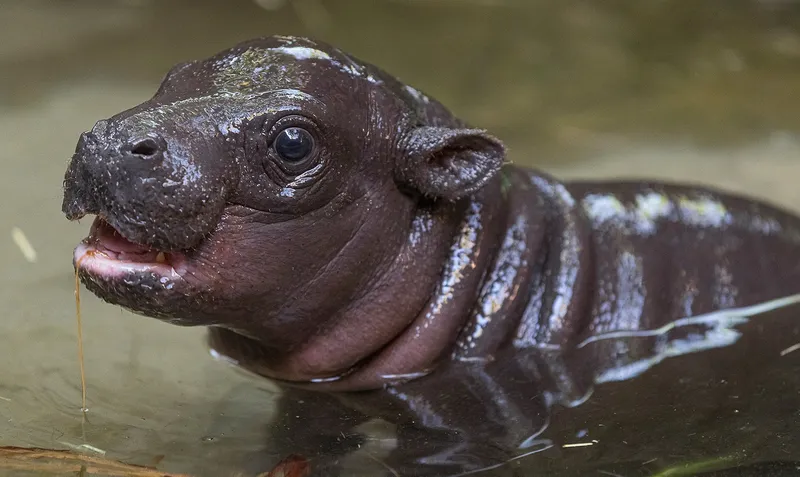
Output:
[[338, 230]]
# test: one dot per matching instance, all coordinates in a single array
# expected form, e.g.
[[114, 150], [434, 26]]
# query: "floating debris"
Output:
[[579, 444], [19, 238], [59, 462], [79, 447], [790, 349], [291, 466]]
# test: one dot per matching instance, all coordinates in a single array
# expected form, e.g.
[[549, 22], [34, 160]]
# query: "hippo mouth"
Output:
[[107, 253]]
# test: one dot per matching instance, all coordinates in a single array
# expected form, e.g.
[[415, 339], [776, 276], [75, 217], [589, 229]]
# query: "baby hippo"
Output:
[[338, 230]]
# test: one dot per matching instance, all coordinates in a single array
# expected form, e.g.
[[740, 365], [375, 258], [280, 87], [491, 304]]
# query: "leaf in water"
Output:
[[291, 466]]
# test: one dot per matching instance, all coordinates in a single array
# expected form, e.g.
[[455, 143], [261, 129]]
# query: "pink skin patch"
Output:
[[107, 254]]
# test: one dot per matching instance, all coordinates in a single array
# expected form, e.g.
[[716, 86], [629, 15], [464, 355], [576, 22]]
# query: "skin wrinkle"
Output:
[[310, 190], [384, 277], [259, 215], [376, 280], [420, 346], [311, 185], [383, 284], [326, 267]]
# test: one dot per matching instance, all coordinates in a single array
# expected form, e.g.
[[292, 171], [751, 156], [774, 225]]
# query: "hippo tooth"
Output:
[[161, 258]]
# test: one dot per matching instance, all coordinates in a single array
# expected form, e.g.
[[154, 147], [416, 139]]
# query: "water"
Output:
[[659, 89]]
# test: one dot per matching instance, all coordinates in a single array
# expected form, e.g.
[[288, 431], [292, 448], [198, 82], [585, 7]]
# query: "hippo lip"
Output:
[[106, 252]]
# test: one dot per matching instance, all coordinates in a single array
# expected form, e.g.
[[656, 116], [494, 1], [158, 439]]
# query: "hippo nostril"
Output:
[[146, 147]]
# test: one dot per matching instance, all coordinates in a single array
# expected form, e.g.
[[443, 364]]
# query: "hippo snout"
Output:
[[156, 189]]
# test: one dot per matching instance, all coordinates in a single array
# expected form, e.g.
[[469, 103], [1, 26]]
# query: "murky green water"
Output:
[[703, 92]]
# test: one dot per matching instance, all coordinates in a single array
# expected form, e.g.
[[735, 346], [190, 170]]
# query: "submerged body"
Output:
[[339, 230]]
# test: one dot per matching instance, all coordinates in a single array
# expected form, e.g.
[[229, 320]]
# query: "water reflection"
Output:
[[696, 392]]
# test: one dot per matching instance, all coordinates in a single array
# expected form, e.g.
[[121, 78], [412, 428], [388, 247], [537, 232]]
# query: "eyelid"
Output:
[[289, 120], [306, 177]]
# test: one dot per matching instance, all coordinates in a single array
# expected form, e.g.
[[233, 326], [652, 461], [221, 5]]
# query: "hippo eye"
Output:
[[293, 144]]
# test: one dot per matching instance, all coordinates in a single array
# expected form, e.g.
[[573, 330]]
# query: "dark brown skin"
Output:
[[398, 240]]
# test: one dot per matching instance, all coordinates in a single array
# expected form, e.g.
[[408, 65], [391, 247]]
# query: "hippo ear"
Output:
[[447, 163]]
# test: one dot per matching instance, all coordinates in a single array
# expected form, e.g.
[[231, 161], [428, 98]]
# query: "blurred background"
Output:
[[695, 91]]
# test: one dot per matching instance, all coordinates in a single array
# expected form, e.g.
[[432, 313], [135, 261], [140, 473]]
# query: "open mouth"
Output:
[[106, 253]]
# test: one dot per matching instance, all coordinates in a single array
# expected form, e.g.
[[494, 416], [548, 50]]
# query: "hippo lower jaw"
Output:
[[142, 279], [107, 254]]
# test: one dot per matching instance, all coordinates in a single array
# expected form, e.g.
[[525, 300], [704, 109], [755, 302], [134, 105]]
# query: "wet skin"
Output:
[[338, 230], [508, 417]]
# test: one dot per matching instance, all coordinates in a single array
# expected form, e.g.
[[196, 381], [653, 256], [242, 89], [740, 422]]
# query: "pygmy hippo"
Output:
[[339, 230]]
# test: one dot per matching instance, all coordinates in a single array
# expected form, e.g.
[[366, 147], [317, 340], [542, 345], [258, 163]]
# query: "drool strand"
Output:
[[80, 334]]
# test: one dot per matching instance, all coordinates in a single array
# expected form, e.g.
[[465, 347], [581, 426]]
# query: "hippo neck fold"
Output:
[[516, 262]]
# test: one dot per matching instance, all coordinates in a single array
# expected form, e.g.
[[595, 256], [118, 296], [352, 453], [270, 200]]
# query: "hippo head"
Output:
[[263, 188]]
